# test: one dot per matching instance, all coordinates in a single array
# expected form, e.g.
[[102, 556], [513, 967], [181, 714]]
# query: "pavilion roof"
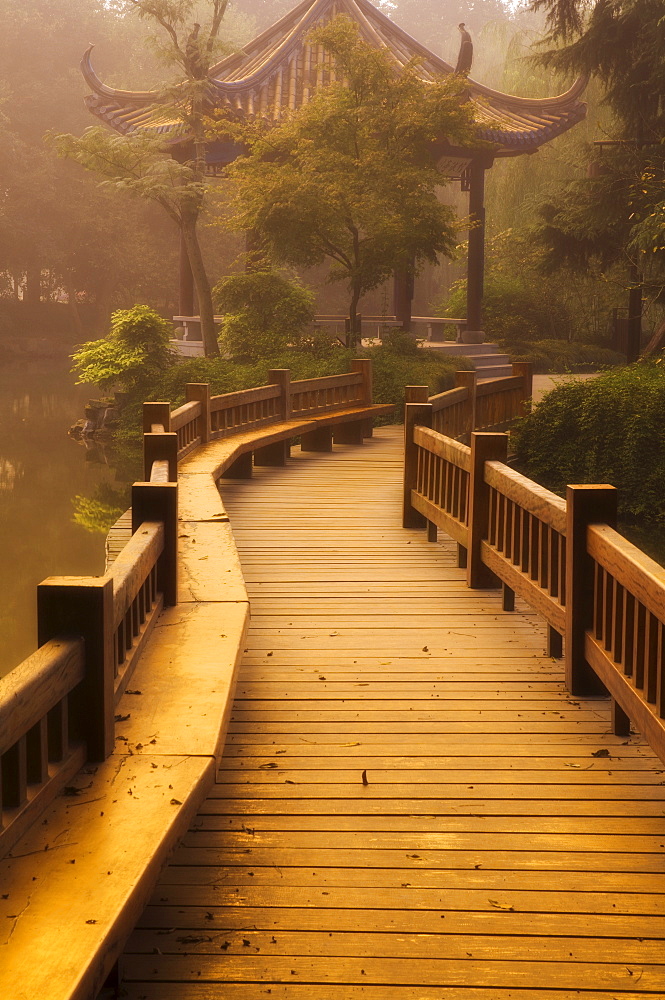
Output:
[[280, 70]]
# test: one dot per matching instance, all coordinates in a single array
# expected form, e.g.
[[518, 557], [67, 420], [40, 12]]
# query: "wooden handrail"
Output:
[[591, 585], [546, 506], [133, 565], [448, 449], [38, 750], [35, 686], [496, 385], [185, 414], [243, 396], [632, 568], [444, 400], [326, 382]]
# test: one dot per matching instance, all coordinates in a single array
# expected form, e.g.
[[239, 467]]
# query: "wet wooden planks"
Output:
[[409, 807]]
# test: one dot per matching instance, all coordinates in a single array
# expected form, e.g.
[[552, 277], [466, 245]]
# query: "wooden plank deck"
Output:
[[410, 807]]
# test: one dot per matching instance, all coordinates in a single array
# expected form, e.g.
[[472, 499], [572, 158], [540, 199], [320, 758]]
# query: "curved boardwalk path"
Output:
[[505, 847]]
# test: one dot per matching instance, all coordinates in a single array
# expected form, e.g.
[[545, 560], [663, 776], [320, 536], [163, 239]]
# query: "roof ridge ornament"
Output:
[[465, 57]]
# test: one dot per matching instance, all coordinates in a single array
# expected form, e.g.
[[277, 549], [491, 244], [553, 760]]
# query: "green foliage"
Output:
[[135, 165], [563, 356], [264, 312], [135, 351], [514, 310], [392, 370], [621, 42], [351, 177], [98, 513], [609, 429]]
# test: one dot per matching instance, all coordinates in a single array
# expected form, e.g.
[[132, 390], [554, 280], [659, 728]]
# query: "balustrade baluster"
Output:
[[653, 642], [36, 748], [618, 613], [57, 729]]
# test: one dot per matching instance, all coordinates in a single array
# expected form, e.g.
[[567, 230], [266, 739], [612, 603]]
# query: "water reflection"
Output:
[[42, 471]]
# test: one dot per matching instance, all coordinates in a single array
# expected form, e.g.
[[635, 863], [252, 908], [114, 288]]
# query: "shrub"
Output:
[[135, 351], [561, 356], [264, 312], [513, 311], [393, 370], [610, 429]]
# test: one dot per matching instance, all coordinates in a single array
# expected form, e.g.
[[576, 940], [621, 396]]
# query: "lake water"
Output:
[[42, 471]]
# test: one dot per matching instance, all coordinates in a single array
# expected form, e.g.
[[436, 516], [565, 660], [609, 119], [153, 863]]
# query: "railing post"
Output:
[[156, 413], [364, 366], [484, 448], [585, 505], [161, 447], [414, 414], [282, 378], [159, 502], [200, 392], [525, 369], [84, 606], [470, 382], [416, 393]]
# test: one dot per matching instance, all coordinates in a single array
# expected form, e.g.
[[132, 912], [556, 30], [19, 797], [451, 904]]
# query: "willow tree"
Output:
[[351, 178], [141, 164]]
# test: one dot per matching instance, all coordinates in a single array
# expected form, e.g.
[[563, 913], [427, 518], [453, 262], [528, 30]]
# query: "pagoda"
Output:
[[281, 70]]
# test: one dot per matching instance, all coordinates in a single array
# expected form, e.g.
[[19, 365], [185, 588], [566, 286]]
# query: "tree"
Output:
[[135, 350], [58, 231], [140, 164], [351, 177], [616, 213], [264, 312], [622, 42]]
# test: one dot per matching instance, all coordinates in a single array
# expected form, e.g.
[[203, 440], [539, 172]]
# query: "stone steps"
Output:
[[488, 360]]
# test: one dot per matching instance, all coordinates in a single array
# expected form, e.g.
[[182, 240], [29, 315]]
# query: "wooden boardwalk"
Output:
[[410, 807]]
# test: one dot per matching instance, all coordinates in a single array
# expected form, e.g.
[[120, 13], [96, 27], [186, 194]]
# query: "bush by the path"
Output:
[[610, 429], [561, 356]]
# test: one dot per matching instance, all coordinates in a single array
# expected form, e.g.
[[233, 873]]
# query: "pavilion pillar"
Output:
[[476, 256], [186, 298]]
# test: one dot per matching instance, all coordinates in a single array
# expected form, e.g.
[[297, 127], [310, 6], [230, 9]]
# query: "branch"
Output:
[[217, 17], [141, 5]]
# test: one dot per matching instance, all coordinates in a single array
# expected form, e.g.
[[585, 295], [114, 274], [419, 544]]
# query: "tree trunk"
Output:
[[103, 300], [355, 334], [33, 286], [202, 285], [74, 310]]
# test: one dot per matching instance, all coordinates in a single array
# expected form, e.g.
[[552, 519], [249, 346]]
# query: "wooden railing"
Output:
[[602, 598], [473, 406], [171, 436], [436, 472], [313, 395], [57, 709]]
